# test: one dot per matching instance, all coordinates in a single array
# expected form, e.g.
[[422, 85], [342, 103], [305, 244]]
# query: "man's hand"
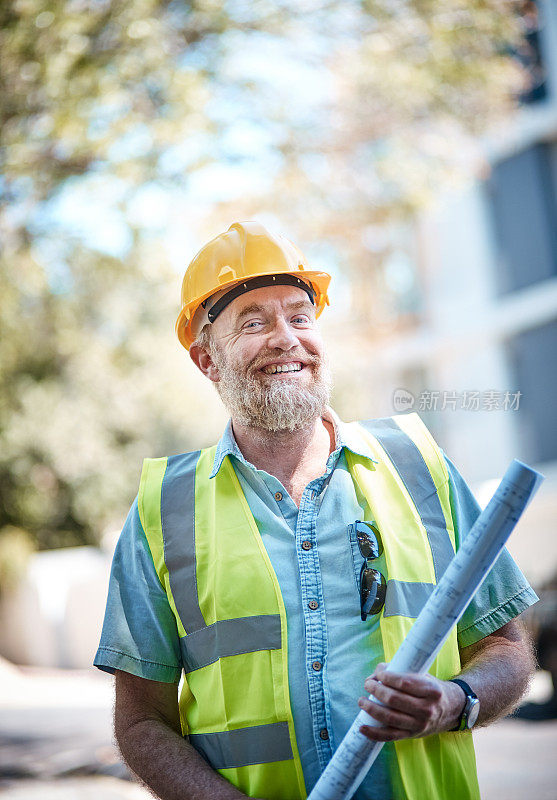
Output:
[[497, 668], [413, 705]]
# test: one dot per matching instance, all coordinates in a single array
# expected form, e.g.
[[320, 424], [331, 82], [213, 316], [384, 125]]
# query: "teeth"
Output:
[[272, 368]]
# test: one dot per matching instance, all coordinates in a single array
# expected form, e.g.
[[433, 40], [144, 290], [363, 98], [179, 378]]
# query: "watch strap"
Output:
[[470, 695]]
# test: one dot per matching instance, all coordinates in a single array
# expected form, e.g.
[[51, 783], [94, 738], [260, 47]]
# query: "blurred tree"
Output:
[[333, 116], [407, 89], [89, 90]]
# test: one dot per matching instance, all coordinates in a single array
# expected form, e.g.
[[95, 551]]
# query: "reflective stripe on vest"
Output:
[[259, 744], [178, 528], [210, 558], [417, 478], [230, 637], [204, 644], [408, 598]]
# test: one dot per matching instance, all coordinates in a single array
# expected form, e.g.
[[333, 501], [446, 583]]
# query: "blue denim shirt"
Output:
[[330, 650]]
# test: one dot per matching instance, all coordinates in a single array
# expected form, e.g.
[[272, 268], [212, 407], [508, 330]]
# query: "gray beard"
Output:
[[276, 405]]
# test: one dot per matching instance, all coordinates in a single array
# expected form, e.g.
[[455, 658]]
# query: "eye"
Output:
[[301, 319], [252, 323]]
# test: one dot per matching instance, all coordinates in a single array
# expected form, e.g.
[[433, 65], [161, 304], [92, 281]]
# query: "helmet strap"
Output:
[[258, 283]]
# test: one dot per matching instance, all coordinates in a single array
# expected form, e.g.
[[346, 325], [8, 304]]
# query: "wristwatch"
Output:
[[471, 707]]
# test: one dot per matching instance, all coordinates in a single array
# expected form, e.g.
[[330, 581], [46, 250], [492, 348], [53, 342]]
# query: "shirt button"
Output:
[[316, 665], [306, 545], [324, 734], [278, 496], [313, 604]]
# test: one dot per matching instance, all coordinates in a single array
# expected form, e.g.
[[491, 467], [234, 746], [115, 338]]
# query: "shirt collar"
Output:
[[345, 436]]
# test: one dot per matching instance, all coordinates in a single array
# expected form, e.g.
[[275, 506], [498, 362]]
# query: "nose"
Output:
[[281, 335]]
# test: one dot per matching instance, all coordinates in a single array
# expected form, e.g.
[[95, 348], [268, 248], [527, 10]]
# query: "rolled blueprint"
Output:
[[462, 578]]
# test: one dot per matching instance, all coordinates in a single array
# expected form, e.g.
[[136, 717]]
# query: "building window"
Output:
[[523, 196], [532, 361], [530, 55]]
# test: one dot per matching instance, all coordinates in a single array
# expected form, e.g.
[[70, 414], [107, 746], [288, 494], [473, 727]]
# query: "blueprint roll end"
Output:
[[521, 473], [525, 478]]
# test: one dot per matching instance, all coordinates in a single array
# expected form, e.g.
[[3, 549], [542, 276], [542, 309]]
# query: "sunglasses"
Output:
[[373, 585]]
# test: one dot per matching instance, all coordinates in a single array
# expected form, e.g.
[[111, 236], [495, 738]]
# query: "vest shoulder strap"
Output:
[[407, 440], [420, 464], [166, 494]]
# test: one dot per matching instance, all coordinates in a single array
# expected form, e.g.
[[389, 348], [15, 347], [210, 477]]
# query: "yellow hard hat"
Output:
[[231, 261]]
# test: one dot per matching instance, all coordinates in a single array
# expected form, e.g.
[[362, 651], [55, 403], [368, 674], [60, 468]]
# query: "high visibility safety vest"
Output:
[[210, 558]]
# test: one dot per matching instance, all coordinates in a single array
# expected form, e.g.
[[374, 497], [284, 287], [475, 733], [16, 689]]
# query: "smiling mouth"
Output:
[[283, 369]]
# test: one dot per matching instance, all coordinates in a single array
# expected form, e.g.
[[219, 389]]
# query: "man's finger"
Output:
[[419, 707], [389, 717], [381, 666], [416, 685], [371, 685], [384, 734]]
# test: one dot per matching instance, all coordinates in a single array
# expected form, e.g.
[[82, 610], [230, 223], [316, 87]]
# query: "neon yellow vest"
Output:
[[234, 703]]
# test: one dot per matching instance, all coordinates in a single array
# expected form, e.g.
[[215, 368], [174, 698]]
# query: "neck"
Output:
[[285, 453]]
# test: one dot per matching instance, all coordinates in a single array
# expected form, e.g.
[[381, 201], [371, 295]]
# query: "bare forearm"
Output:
[[499, 673], [169, 765]]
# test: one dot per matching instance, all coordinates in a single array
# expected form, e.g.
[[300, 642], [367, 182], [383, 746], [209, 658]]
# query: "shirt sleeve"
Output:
[[505, 593], [139, 632]]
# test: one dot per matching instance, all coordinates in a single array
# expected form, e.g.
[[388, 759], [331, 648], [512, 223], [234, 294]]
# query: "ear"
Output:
[[203, 361]]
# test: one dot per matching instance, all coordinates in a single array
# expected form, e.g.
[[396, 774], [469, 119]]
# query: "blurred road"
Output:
[[94, 788], [55, 740], [517, 760]]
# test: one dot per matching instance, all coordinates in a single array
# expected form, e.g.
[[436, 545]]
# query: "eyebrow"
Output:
[[255, 308]]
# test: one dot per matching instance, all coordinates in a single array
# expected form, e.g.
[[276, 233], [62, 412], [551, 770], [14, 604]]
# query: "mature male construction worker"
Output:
[[281, 568]]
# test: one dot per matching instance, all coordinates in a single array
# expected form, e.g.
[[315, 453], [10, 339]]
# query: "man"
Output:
[[283, 567]]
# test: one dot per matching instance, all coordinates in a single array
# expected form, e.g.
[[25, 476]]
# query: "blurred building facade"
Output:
[[480, 365]]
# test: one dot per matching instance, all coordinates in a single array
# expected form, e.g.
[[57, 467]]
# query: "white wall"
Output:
[[54, 617]]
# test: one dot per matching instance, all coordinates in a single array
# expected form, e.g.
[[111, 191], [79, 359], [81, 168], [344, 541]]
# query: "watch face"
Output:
[[473, 713]]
